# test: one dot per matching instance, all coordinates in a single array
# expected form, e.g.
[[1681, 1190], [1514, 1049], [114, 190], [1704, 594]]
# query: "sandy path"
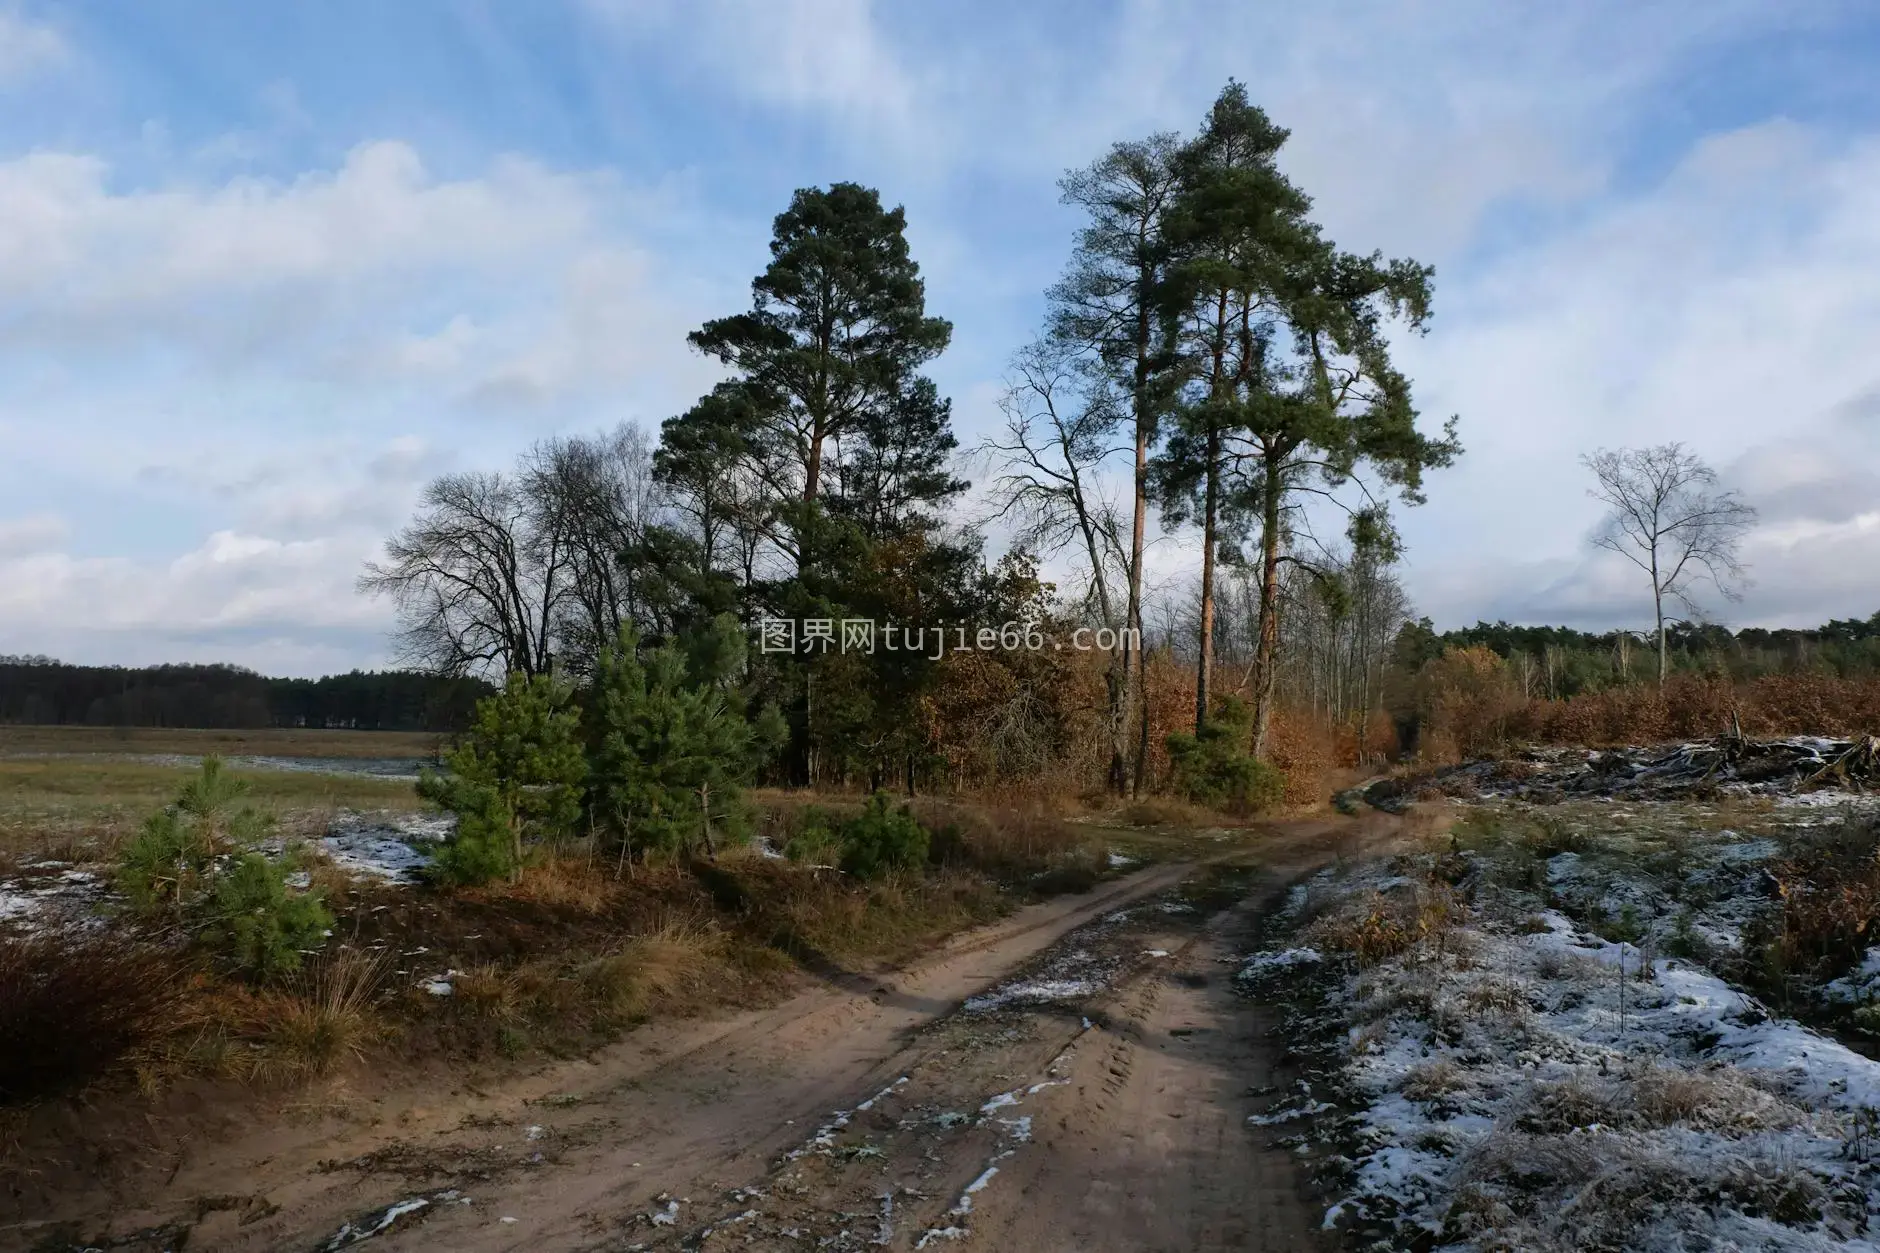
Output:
[[1147, 1147], [1138, 1141]]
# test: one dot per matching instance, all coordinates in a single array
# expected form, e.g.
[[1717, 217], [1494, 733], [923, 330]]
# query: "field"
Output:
[[82, 806], [267, 742]]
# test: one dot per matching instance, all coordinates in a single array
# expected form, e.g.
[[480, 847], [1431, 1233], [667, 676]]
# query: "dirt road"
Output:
[[1092, 1093]]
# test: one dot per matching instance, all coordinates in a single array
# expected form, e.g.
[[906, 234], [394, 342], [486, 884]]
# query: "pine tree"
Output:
[[513, 780], [1292, 390], [1231, 222], [1109, 309], [837, 329], [672, 746]]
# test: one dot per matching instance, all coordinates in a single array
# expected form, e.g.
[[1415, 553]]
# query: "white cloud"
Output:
[[1731, 307], [828, 55], [223, 359], [273, 590], [27, 48], [80, 256], [32, 534]]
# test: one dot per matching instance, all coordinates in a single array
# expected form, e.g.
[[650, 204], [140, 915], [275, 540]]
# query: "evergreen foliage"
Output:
[[256, 924], [882, 839], [196, 861], [1213, 766], [514, 779], [672, 744]]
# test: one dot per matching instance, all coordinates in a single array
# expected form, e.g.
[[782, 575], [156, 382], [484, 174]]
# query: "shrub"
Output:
[[515, 778], [481, 848], [673, 743], [161, 867], [172, 860], [882, 839], [196, 860], [256, 925], [815, 840], [1214, 767], [71, 1006], [1470, 699]]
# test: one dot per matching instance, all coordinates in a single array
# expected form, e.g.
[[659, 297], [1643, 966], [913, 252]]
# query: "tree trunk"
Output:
[[705, 815], [1116, 679], [1266, 651], [1658, 608], [1204, 671], [1137, 690], [515, 844]]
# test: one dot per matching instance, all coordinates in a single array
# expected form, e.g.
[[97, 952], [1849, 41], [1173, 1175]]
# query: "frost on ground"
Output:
[[388, 845], [51, 896], [1519, 1081], [1082, 970]]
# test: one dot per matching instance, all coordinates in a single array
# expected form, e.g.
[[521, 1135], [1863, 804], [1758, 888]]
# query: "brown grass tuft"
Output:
[[72, 1006], [320, 1021], [1433, 1079], [660, 967]]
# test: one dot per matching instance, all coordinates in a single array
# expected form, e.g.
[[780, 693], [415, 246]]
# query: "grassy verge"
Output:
[[576, 952], [1525, 1034]]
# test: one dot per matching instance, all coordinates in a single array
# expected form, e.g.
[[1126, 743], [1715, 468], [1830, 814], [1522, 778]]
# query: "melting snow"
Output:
[[387, 845], [374, 1224], [1554, 1078], [50, 896]]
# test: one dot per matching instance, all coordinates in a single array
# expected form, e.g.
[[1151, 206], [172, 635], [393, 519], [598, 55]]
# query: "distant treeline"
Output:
[[42, 691], [1559, 661]]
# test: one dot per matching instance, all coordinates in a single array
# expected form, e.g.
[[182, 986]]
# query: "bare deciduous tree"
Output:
[[473, 594], [505, 573], [1058, 422], [590, 499], [1668, 519]]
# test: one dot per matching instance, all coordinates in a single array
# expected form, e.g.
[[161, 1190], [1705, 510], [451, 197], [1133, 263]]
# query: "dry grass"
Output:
[[323, 1019], [1169, 811], [565, 881], [70, 1007], [265, 742], [1013, 845], [1475, 706], [824, 917], [662, 966], [1434, 1079], [1497, 997], [85, 806], [1829, 893], [1380, 926]]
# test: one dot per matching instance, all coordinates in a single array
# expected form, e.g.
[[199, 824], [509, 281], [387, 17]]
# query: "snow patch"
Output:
[[389, 846]]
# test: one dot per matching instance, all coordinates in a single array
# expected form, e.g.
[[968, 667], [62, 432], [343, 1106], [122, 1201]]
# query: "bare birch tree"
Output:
[[1668, 519]]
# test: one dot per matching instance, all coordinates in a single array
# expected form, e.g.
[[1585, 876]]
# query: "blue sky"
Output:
[[266, 267]]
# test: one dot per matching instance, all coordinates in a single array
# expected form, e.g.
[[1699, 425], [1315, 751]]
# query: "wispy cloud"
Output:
[[27, 48]]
